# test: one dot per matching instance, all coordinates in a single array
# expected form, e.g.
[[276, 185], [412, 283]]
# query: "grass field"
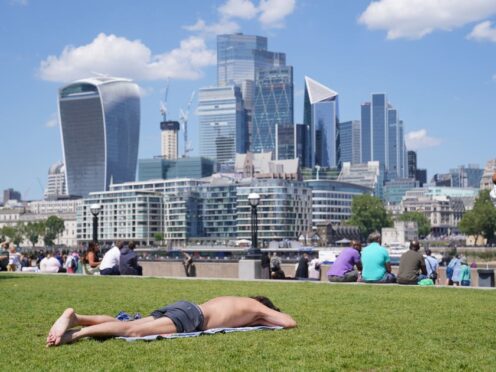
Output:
[[361, 327]]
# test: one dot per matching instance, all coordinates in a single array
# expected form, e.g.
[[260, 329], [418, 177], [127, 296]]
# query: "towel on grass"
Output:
[[200, 333]]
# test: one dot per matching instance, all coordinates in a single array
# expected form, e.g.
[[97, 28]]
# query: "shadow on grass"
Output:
[[4, 276]]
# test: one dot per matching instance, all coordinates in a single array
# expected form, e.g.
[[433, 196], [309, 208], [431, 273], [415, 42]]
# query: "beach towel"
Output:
[[212, 331]]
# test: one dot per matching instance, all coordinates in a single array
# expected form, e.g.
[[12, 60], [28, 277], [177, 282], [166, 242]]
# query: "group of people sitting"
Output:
[[372, 264], [120, 259]]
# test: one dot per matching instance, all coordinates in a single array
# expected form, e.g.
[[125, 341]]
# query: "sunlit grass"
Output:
[[360, 327]]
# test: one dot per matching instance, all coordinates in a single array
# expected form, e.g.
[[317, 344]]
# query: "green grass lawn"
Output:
[[362, 327]]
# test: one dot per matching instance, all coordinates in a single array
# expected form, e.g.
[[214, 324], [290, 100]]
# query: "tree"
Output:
[[34, 230], [368, 214], [9, 232], [158, 237], [54, 226], [481, 220], [423, 223]]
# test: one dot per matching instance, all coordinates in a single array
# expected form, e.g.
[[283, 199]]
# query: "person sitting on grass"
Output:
[[180, 317], [343, 268], [465, 275], [412, 266], [376, 262]]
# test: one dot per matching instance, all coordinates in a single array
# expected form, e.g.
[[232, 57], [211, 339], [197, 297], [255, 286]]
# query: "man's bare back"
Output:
[[220, 312], [241, 312]]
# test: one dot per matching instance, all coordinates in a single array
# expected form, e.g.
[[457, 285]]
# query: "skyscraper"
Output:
[[222, 123], [383, 136], [350, 141], [321, 113], [273, 106], [100, 123], [170, 147], [412, 164], [239, 58], [56, 182]]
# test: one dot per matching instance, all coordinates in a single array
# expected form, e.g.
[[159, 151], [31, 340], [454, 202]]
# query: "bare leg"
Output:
[[138, 328]]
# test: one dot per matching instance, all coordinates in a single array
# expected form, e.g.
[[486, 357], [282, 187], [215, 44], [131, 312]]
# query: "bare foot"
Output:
[[67, 320], [66, 338]]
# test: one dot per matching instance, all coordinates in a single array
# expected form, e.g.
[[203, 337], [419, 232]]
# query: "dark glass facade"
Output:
[[158, 168]]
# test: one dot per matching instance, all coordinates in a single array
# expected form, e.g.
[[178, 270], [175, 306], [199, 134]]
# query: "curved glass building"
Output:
[[100, 122]]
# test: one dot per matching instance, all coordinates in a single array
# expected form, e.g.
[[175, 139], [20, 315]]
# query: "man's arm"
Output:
[[423, 269], [387, 265], [272, 318]]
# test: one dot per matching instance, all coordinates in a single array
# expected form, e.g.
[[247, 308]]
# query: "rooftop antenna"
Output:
[[163, 104], [183, 119]]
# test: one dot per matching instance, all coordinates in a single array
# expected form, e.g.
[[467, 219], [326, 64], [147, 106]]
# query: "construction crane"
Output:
[[183, 119], [163, 104]]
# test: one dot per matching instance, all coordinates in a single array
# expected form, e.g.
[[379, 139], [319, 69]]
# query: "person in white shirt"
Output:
[[49, 264], [111, 259], [14, 259], [431, 265]]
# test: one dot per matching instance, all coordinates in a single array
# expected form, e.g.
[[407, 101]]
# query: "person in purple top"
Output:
[[343, 269]]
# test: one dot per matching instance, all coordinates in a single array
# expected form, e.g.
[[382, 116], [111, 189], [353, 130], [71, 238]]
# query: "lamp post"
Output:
[[95, 211], [254, 252]]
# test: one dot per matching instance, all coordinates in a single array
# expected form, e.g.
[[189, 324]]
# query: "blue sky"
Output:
[[436, 61]]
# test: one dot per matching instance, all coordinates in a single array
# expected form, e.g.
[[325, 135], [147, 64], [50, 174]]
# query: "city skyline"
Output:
[[438, 72]]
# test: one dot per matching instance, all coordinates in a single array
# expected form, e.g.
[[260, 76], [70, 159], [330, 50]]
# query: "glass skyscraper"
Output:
[[321, 113], [273, 106], [350, 141], [366, 154], [239, 58], [222, 123], [100, 125]]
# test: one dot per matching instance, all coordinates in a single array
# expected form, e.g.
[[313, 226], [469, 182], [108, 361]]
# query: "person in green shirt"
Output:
[[465, 275], [376, 262]]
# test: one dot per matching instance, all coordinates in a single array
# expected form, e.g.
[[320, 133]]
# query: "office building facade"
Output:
[[350, 141], [56, 187], [221, 117], [159, 168], [273, 106], [100, 122], [321, 114], [169, 139]]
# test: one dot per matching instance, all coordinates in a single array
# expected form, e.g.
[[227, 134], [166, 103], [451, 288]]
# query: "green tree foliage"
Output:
[[54, 226], [368, 214], [423, 223], [34, 230], [481, 220], [158, 237]]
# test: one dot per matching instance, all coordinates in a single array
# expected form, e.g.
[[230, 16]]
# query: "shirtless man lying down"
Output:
[[180, 317]]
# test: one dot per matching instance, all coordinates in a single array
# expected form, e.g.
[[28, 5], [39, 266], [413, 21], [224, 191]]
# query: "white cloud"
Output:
[[244, 9], [413, 19], [420, 140], [118, 56], [273, 12], [483, 32], [53, 121], [19, 2], [221, 27], [270, 14]]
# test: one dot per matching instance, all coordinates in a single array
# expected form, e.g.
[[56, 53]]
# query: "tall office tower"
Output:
[[11, 194], [222, 123], [239, 58], [412, 164], [350, 141], [285, 142], [100, 124], [302, 144], [395, 129], [56, 186], [170, 148], [273, 106], [421, 176], [321, 113], [366, 123]]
